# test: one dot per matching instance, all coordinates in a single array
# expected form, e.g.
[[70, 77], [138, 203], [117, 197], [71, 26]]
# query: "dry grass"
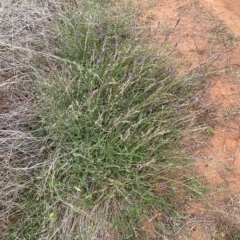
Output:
[[22, 31]]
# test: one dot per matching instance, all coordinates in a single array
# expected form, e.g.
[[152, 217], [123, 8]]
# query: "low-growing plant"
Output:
[[109, 116]]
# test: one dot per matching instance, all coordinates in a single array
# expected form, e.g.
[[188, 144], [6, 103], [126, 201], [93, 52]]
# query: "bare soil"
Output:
[[206, 33]]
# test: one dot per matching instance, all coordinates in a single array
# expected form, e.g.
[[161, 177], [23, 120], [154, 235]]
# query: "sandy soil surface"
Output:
[[206, 33], [226, 10]]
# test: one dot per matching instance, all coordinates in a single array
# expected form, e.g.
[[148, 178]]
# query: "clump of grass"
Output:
[[108, 117], [223, 36], [227, 225]]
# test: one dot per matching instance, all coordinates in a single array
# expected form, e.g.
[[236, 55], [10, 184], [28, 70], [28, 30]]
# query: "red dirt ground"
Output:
[[206, 29]]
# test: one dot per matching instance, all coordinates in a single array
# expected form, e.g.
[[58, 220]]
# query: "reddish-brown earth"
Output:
[[226, 10], [209, 29]]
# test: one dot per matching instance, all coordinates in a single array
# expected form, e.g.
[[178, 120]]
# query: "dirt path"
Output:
[[206, 34], [226, 10]]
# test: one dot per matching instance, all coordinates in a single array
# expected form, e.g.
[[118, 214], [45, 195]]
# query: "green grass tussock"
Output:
[[108, 116]]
